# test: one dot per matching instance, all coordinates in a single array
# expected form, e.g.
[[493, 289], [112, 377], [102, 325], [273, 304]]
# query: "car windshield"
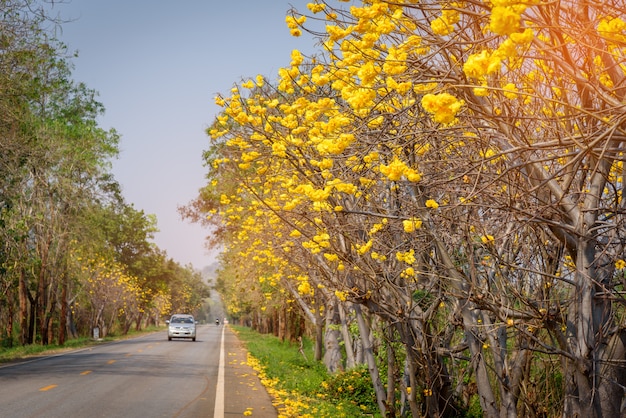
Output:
[[182, 321]]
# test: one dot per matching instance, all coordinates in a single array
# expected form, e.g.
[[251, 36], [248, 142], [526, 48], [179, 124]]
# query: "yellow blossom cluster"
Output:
[[407, 257], [397, 169], [444, 24], [613, 29], [294, 24], [410, 225], [443, 106]]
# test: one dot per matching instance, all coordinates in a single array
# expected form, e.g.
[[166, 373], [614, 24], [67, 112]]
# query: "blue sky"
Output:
[[157, 66]]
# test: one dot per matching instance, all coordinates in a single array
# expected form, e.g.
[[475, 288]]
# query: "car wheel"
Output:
[[169, 338], [193, 339]]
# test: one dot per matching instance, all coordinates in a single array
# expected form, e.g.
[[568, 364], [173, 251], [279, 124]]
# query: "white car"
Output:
[[181, 326]]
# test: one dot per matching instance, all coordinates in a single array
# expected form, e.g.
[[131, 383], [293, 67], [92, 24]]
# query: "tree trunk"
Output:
[[71, 326], [319, 341], [368, 351], [391, 376], [50, 314], [42, 294], [63, 314], [282, 323], [23, 308], [589, 389], [332, 355], [469, 318], [612, 392], [319, 327], [10, 317], [347, 338], [509, 387], [138, 321]]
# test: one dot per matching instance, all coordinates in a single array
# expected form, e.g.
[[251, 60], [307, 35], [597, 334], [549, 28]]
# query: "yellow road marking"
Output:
[[111, 361], [46, 388], [86, 372]]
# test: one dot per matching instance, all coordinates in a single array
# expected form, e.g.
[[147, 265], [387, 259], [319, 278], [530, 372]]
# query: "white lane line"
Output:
[[219, 390]]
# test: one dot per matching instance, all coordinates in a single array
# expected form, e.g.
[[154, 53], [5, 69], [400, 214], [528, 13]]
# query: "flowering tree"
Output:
[[456, 169]]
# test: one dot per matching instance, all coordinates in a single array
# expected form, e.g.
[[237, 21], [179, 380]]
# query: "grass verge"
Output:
[[301, 386], [26, 351]]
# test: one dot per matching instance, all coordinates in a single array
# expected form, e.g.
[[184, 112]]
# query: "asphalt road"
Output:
[[143, 377]]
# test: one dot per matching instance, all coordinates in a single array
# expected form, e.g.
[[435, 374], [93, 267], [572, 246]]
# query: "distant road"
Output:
[[144, 377]]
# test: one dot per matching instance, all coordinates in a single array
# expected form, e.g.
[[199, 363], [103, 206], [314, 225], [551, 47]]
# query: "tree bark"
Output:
[[23, 308], [368, 351], [332, 354], [347, 338], [63, 314]]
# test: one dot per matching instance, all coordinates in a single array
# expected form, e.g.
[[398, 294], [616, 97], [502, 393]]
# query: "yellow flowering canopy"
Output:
[[434, 148]]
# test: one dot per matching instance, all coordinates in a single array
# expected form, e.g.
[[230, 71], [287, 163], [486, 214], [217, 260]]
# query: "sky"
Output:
[[157, 65]]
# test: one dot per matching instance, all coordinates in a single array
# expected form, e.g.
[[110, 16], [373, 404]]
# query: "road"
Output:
[[143, 377]]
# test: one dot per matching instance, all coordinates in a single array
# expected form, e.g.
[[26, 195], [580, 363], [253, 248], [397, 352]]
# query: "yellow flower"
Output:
[[341, 295], [304, 288], [478, 65], [362, 249], [430, 203], [620, 264], [481, 91], [612, 28], [411, 225], [443, 106], [219, 101], [510, 91], [331, 257], [487, 238], [316, 8], [296, 58], [408, 257], [504, 20], [443, 25], [394, 170], [440, 27], [293, 22]]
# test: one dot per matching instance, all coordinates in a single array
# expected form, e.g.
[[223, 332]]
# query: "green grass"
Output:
[[22, 352], [302, 385]]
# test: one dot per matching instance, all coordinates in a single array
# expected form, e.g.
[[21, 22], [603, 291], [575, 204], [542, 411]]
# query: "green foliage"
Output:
[[61, 210], [423, 298], [353, 386], [474, 409]]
